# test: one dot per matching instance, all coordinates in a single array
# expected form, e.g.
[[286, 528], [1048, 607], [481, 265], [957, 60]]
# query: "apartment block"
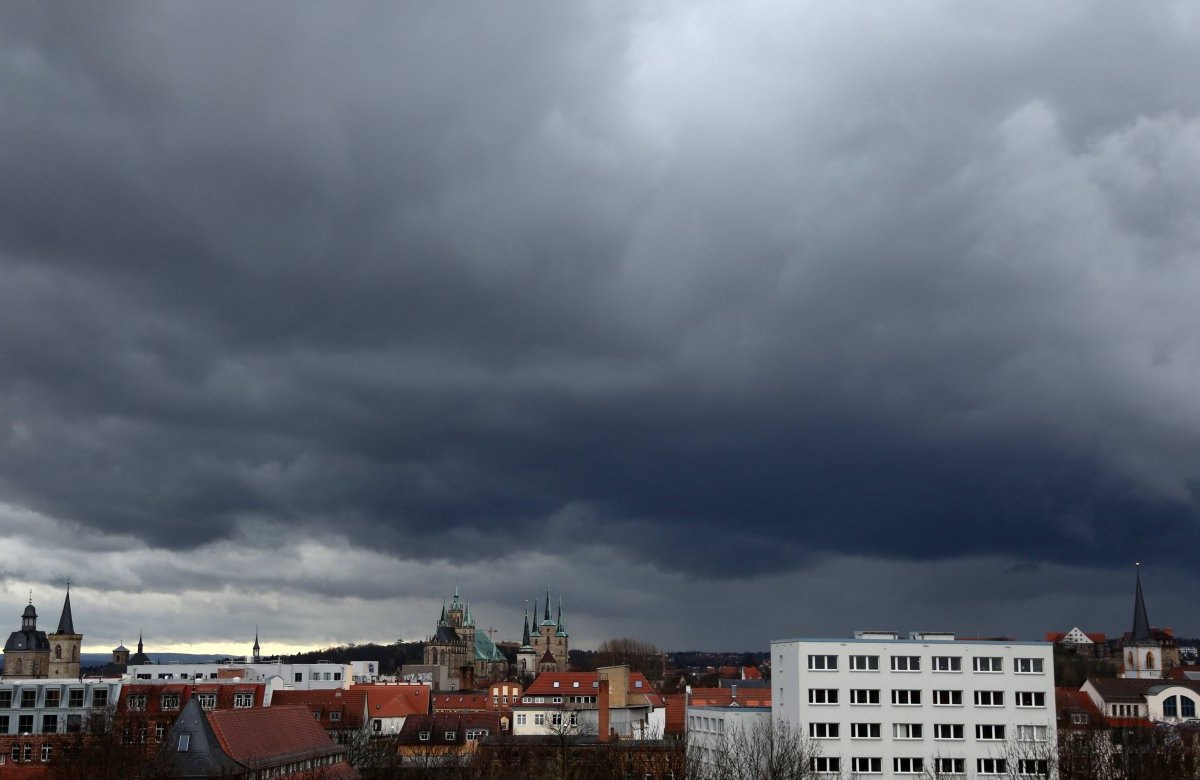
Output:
[[879, 704]]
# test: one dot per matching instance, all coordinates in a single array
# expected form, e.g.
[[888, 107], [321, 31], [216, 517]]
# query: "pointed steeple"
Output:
[[256, 648], [525, 630], [66, 624], [139, 642], [467, 620], [547, 618], [442, 619], [1141, 623]]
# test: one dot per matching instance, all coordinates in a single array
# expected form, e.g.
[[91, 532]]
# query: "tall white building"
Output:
[[929, 704]]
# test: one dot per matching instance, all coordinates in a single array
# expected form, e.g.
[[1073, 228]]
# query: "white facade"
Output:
[[48, 706], [299, 677], [708, 728], [890, 707]]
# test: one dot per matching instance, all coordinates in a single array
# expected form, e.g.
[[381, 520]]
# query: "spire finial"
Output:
[[31, 595]]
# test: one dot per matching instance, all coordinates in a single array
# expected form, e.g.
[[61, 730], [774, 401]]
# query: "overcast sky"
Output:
[[729, 321]]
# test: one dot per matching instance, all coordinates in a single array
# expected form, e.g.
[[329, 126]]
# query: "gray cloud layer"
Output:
[[774, 284]]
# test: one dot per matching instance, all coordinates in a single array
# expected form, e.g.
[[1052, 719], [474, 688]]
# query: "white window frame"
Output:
[[988, 664], [864, 663], [872, 731], [947, 664], [949, 732], [870, 693], [906, 697]]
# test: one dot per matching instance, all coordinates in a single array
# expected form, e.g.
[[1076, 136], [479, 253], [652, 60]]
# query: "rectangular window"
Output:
[[864, 663], [556, 700], [906, 697], [49, 724], [299, 676], [906, 731], [539, 719], [520, 719], [1028, 666], [3, 724], [948, 731], [556, 719], [823, 730], [1079, 718], [169, 702], [28, 698], [947, 698], [989, 698], [906, 663], [864, 696], [865, 731], [6, 699], [947, 663], [1032, 733], [160, 729], [825, 764], [207, 701], [1031, 699], [989, 732], [450, 736], [99, 697], [822, 663], [423, 736], [822, 696], [53, 697], [950, 766], [136, 701], [988, 664], [908, 766], [334, 717], [991, 766], [1033, 767], [47, 751], [24, 724], [866, 766]]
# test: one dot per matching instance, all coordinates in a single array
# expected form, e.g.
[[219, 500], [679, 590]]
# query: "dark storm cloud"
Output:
[[780, 282]]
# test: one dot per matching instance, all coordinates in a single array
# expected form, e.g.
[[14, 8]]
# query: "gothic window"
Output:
[[1149, 660], [20, 665], [58, 652], [1131, 664], [75, 654]]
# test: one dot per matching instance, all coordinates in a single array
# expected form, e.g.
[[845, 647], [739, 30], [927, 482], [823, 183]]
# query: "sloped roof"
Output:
[[264, 737], [485, 648], [66, 624], [440, 724], [1122, 689], [395, 701], [460, 701], [724, 697], [588, 685], [350, 705]]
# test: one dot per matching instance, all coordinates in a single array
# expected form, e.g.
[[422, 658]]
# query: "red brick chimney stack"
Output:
[[602, 728]]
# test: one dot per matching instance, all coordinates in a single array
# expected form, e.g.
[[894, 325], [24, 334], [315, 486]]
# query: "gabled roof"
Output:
[[395, 701], [265, 737], [1134, 690], [588, 685], [439, 724]]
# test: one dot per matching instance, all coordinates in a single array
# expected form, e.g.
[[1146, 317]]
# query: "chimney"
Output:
[[734, 694], [602, 727], [468, 677]]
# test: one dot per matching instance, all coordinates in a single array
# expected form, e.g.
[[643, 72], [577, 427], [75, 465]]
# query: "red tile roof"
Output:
[[395, 701], [350, 706], [460, 702], [269, 736], [588, 685], [751, 673], [225, 692]]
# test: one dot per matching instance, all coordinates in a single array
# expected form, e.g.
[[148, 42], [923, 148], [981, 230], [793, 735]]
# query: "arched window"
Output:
[[1131, 662], [1149, 660], [75, 653], [58, 652], [1189, 707], [1171, 707]]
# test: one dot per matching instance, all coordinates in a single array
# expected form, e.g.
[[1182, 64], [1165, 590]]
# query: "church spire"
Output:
[[1141, 624], [546, 619], [66, 624], [525, 630], [139, 642], [256, 650]]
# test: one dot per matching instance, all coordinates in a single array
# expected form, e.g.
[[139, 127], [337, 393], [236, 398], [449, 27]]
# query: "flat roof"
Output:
[[905, 641]]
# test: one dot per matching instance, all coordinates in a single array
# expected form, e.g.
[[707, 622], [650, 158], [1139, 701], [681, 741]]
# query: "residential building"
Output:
[[342, 713], [715, 717], [276, 742], [880, 704], [580, 703], [444, 738], [36, 716], [1087, 643], [390, 706]]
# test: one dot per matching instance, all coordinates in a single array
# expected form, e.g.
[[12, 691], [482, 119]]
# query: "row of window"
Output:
[[541, 718], [940, 663], [942, 731], [1172, 707], [472, 735], [1026, 767], [24, 752], [911, 697], [558, 699], [28, 698], [170, 701]]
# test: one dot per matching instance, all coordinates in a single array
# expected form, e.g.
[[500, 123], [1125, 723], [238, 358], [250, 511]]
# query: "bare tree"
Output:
[[765, 750]]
